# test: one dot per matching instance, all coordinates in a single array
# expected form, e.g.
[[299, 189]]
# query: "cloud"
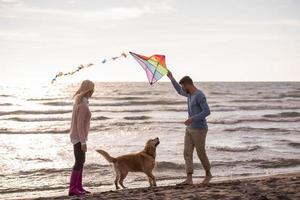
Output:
[[290, 22], [69, 24], [13, 9], [278, 22], [18, 35], [9, 3]]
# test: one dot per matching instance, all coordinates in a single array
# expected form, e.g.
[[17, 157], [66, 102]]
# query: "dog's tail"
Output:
[[106, 156]]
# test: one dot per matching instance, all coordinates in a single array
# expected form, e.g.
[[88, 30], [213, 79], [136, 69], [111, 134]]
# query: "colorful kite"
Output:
[[86, 66], [154, 66]]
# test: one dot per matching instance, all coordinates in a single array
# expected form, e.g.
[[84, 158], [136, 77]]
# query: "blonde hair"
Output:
[[85, 87]]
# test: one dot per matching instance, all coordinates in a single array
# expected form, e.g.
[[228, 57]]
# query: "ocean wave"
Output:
[[50, 131], [294, 144], [47, 171], [37, 159], [140, 93], [105, 169], [120, 98], [129, 98], [133, 103], [23, 119], [279, 163], [99, 118], [23, 112], [125, 103], [43, 171], [35, 189], [48, 112], [3, 130], [265, 164], [273, 163], [173, 109], [44, 99], [249, 129], [49, 119], [292, 94], [227, 121], [137, 117], [165, 166], [221, 93], [63, 111], [6, 95], [238, 121], [247, 100], [120, 124], [266, 107], [237, 149], [58, 103], [6, 104], [142, 110], [223, 109], [160, 122], [124, 110], [283, 114]]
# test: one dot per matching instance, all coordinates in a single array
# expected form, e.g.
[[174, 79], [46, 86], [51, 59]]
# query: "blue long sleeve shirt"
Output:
[[198, 108]]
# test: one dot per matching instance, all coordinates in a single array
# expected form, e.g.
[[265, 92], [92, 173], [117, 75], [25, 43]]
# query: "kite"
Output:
[[80, 67], [154, 66]]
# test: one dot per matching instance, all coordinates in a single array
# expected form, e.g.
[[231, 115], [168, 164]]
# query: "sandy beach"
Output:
[[281, 187]]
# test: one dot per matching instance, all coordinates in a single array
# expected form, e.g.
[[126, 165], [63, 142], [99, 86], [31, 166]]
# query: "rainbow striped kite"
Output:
[[154, 66]]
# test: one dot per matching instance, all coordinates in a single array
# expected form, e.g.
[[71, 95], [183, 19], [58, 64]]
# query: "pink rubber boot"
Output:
[[73, 188], [80, 188]]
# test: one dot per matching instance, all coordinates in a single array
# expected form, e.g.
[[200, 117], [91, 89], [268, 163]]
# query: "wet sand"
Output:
[[280, 187]]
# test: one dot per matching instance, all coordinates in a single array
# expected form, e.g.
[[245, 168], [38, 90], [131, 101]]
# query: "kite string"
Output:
[[59, 74]]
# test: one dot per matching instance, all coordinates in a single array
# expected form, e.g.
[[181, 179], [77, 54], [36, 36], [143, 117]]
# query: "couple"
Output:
[[195, 134]]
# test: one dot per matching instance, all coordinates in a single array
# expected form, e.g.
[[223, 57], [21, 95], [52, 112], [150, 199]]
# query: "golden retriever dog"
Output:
[[143, 161]]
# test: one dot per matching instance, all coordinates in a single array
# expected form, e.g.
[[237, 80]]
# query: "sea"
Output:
[[254, 129]]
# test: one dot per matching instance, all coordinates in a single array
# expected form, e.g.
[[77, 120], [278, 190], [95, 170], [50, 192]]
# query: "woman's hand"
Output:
[[188, 121], [83, 147]]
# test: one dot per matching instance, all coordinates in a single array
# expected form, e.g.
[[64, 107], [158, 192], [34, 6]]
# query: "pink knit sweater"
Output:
[[80, 126]]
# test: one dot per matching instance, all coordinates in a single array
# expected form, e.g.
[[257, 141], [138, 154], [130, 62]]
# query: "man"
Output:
[[196, 129]]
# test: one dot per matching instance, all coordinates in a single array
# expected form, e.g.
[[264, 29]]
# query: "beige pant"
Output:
[[195, 138]]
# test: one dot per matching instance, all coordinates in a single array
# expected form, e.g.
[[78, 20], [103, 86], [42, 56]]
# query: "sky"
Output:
[[210, 40]]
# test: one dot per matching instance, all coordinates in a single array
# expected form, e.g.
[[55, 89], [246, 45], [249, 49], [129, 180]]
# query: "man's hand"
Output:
[[188, 121], [83, 147], [169, 74]]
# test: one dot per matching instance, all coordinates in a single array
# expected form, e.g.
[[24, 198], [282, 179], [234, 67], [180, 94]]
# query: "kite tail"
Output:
[[80, 67]]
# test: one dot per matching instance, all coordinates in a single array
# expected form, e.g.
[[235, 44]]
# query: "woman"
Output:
[[80, 126]]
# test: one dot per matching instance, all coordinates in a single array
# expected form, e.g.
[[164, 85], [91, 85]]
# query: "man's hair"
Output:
[[186, 80]]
